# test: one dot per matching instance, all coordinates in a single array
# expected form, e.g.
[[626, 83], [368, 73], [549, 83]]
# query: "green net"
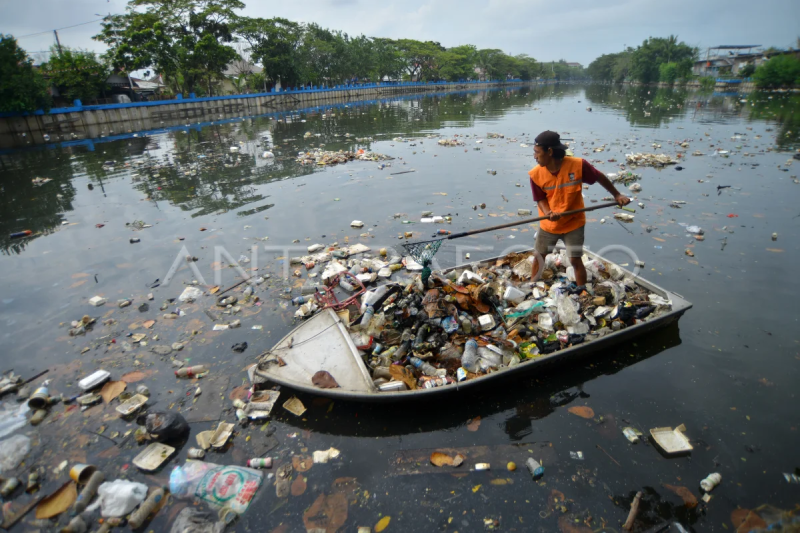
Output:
[[423, 252]]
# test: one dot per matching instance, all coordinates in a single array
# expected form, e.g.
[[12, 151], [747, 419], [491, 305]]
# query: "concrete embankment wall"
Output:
[[92, 122]]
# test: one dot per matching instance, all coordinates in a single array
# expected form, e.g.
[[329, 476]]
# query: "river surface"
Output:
[[728, 371]]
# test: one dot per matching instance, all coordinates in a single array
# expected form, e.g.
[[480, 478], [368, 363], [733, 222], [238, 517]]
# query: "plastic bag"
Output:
[[220, 486], [581, 328], [12, 451], [190, 520], [551, 261], [617, 288], [190, 294], [595, 267], [615, 271], [166, 426], [119, 497], [490, 357], [567, 310], [13, 417]]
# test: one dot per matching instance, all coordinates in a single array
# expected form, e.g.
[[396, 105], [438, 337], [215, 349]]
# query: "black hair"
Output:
[[559, 153]]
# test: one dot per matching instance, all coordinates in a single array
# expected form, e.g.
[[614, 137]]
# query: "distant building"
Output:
[[728, 60], [578, 65], [234, 71]]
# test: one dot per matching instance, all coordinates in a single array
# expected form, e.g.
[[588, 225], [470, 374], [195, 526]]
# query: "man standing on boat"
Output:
[[557, 185]]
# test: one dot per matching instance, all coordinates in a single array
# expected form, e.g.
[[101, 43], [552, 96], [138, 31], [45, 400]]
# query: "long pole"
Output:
[[527, 221], [58, 43]]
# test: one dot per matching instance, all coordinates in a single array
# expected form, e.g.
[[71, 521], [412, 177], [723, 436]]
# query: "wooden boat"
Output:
[[323, 343]]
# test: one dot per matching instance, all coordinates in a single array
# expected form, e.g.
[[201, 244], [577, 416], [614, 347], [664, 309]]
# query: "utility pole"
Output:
[[58, 43]]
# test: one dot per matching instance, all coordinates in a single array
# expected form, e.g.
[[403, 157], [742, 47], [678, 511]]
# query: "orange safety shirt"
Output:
[[564, 193]]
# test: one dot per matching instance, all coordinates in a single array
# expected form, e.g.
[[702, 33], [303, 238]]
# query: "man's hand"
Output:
[[555, 216], [622, 199]]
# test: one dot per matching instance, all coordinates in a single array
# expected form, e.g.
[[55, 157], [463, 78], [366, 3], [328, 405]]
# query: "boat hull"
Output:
[[679, 306]]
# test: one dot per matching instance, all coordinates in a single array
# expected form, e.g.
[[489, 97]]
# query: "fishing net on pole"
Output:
[[423, 253]]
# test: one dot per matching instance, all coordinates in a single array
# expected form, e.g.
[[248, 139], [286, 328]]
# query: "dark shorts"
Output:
[[546, 242]]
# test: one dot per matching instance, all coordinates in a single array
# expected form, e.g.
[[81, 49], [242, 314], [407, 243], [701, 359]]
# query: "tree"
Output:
[[184, 40], [388, 59], [77, 74], [747, 70], [488, 61], [323, 55], [779, 71], [647, 59], [458, 63], [602, 68], [668, 72], [361, 57], [21, 87], [275, 43], [421, 59]]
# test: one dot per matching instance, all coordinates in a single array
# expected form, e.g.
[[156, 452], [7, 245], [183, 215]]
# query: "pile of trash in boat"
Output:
[[482, 318]]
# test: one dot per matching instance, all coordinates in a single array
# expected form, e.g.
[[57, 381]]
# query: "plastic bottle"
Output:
[[466, 325], [19, 234], [402, 350], [88, 493], [469, 360], [369, 312], [140, 515], [373, 296], [710, 482], [260, 462], [426, 368], [422, 333], [346, 285], [300, 300], [76, 525], [190, 371], [376, 325]]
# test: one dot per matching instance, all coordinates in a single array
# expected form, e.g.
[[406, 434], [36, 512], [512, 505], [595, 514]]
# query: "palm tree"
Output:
[[670, 45]]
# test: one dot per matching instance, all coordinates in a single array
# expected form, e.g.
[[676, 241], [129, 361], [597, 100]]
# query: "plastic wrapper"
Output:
[[567, 310], [119, 497], [220, 486]]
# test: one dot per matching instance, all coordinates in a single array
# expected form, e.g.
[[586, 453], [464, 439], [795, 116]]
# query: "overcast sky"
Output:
[[580, 30]]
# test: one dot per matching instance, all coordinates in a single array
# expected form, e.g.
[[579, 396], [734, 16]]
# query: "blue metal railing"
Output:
[[733, 80], [179, 98]]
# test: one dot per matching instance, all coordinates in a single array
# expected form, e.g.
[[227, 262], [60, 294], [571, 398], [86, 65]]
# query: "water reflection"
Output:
[[219, 168], [641, 106]]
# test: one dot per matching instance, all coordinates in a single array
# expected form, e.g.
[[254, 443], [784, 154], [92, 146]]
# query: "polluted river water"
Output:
[[728, 371]]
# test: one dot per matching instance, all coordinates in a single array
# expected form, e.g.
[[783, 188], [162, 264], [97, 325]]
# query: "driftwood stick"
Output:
[[628, 525], [233, 286]]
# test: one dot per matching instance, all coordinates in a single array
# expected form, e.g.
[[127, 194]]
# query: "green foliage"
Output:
[[747, 70], [184, 40], [779, 71], [668, 72], [647, 59], [420, 60], [707, 82], [77, 74], [275, 43], [610, 67], [21, 87]]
